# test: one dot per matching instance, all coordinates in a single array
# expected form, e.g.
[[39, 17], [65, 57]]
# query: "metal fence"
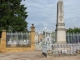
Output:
[[73, 38], [18, 39], [71, 47]]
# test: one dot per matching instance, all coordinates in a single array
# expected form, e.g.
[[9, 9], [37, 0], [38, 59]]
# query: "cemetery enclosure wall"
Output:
[[3, 47], [19, 49]]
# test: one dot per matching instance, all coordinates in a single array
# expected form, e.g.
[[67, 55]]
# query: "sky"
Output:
[[45, 11]]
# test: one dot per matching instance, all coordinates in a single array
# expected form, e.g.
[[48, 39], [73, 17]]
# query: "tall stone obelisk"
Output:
[[60, 25]]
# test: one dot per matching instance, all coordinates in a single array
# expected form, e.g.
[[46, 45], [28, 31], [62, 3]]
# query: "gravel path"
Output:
[[35, 55]]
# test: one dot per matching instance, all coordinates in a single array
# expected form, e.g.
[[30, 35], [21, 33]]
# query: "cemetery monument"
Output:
[[60, 25]]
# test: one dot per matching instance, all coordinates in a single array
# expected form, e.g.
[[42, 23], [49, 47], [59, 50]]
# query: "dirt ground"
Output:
[[35, 55]]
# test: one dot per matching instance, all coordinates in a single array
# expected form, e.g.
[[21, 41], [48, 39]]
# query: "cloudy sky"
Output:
[[45, 11]]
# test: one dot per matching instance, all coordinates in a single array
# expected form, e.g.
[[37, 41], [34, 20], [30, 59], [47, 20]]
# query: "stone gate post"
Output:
[[3, 41], [32, 37], [0, 40]]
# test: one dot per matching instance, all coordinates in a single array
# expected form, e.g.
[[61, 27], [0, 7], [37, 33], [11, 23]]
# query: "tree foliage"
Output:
[[12, 15], [75, 30]]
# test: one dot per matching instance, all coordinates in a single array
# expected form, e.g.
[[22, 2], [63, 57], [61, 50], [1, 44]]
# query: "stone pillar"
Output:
[[60, 25], [32, 37], [3, 41], [0, 41]]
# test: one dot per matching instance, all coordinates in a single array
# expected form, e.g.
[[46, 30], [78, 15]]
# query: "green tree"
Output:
[[75, 30], [70, 30], [12, 15]]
